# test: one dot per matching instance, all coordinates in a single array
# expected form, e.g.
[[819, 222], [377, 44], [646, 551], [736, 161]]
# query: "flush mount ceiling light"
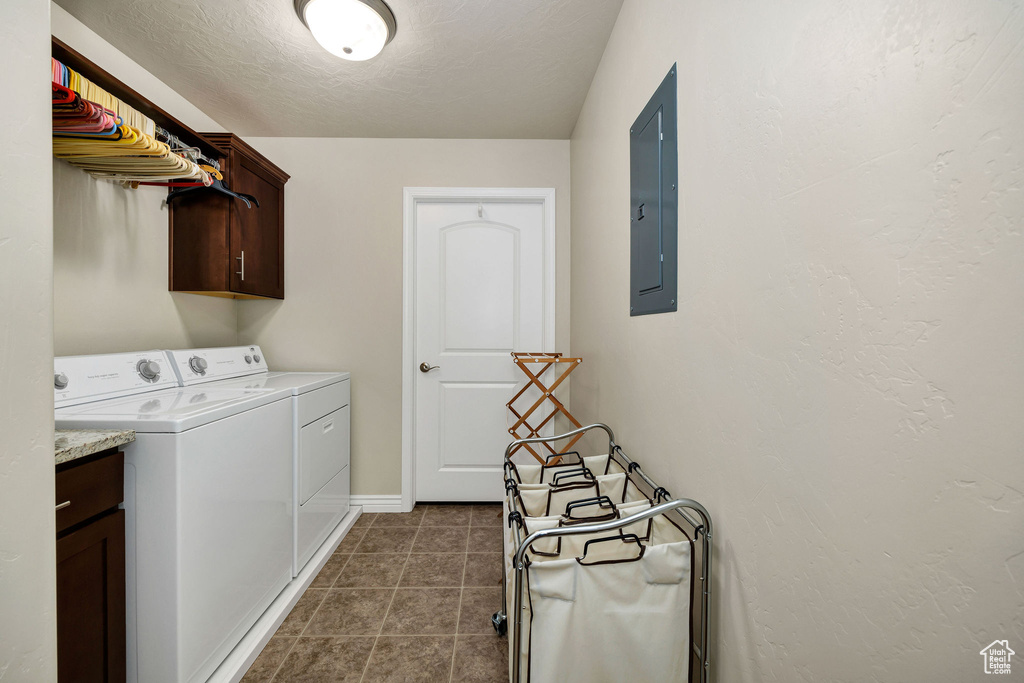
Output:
[[351, 29]]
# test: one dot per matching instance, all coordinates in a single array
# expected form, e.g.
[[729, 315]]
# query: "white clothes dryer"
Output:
[[208, 515], [320, 433]]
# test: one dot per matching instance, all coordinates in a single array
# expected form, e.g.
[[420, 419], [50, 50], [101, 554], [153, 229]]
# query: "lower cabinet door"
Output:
[[91, 602]]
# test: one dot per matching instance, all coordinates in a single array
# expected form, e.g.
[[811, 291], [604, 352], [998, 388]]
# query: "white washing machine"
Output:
[[320, 431], [208, 515]]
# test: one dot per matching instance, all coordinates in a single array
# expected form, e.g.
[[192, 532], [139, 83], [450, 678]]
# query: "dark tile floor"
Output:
[[405, 597]]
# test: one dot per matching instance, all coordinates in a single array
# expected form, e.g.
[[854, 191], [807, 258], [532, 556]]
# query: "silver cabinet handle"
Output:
[[63, 505], [242, 259], [426, 367]]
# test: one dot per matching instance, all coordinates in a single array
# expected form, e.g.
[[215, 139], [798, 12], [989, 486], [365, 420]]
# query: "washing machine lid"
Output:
[[167, 411], [295, 382]]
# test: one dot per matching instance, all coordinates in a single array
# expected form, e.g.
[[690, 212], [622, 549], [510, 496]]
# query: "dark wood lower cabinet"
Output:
[[90, 602], [91, 589]]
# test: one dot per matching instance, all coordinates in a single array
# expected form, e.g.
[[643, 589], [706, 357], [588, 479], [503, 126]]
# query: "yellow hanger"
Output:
[[212, 171]]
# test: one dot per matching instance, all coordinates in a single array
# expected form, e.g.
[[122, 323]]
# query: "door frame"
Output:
[[545, 196]]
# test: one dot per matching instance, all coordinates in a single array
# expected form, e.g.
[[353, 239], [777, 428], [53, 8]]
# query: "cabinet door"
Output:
[[91, 602], [257, 232], [198, 259]]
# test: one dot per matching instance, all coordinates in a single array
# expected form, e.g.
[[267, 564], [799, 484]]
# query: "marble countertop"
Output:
[[71, 444]]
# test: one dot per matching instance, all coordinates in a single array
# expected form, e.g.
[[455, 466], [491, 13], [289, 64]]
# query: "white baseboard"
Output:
[[379, 503]]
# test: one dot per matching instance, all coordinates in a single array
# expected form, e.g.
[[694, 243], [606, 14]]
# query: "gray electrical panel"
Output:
[[653, 205]]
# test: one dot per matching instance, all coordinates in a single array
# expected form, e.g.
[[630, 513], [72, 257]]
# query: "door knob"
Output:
[[426, 367]]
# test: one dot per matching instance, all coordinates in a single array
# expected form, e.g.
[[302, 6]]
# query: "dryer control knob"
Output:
[[60, 381], [198, 365], [248, 359], [256, 358], [148, 370]]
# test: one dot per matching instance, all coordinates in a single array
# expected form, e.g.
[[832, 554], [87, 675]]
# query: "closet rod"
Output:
[[73, 59]]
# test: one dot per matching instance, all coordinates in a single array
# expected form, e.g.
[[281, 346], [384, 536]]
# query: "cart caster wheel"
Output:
[[499, 624]]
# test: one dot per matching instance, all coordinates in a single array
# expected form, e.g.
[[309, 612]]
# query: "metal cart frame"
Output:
[[679, 508]]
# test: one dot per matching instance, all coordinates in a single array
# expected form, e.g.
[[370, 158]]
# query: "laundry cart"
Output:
[[606, 577]]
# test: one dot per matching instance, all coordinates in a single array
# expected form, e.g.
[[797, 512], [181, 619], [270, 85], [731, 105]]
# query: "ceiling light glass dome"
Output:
[[351, 29]]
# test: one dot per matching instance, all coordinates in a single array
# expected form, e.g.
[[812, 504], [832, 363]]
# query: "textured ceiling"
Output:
[[456, 68]]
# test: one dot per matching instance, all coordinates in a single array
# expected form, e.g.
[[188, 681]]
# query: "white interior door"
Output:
[[483, 278]]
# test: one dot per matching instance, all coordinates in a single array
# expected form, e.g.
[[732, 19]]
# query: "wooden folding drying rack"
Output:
[[564, 367]]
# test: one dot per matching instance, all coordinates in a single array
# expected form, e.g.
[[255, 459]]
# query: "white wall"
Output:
[[343, 265], [111, 246], [110, 255], [28, 627], [841, 385]]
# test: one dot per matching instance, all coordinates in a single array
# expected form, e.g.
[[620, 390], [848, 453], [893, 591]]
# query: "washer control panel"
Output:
[[196, 366], [81, 379]]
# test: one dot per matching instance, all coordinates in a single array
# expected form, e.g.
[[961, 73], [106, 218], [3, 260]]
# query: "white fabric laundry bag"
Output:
[[563, 546], [612, 620], [662, 532]]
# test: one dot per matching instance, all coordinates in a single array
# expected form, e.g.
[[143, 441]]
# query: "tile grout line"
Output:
[[313, 615], [366, 667], [287, 652], [342, 570], [310, 621], [458, 617], [295, 639], [403, 635], [326, 591]]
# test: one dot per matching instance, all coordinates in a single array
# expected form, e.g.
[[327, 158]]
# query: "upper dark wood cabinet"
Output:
[[219, 247]]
